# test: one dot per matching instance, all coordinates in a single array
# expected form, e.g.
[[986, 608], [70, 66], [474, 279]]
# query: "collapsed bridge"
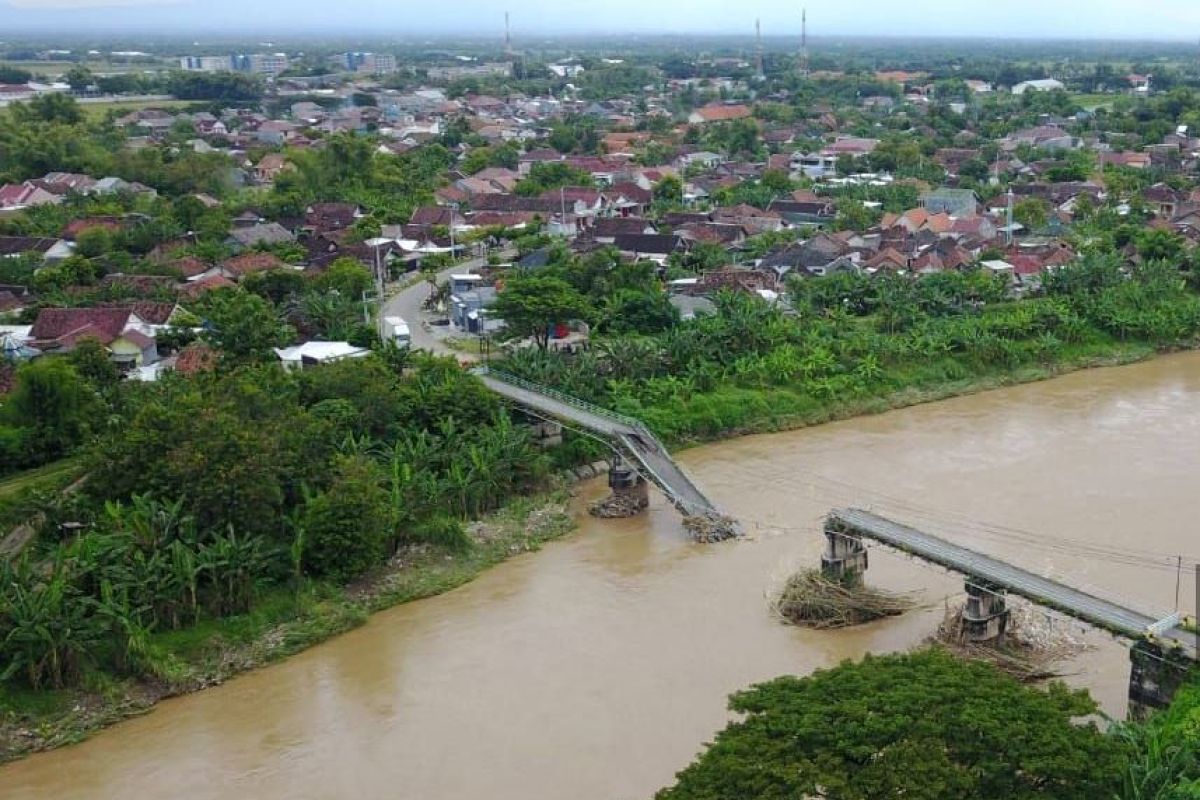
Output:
[[1164, 650], [637, 448]]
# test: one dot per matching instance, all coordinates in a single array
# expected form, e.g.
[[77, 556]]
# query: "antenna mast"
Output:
[[804, 41], [758, 36]]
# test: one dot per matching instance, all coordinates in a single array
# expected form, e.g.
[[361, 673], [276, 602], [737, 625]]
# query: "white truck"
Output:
[[396, 329]]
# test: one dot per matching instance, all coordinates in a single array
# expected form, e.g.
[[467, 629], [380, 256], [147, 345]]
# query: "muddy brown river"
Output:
[[596, 668]]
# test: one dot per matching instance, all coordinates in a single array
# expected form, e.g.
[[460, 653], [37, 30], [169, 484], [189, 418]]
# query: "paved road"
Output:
[[407, 305], [1103, 613]]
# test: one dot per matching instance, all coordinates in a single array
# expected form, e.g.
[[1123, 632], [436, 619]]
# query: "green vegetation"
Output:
[[1166, 752], [98, 112], [283, 620], [921, 725], [217, 488], [545, 177], [860, 344]]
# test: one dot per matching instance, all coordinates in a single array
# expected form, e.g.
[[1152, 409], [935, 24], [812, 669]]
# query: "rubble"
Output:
[[619, 506]]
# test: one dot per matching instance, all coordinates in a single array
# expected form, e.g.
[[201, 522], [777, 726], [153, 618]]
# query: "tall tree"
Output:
[[530, 306], [54, 406], [243, 326]]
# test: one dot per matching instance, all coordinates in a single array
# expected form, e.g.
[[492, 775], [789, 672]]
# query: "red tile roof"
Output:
[[247, 263], [196, 357], [721, 113], [56, 323], [197, 288]]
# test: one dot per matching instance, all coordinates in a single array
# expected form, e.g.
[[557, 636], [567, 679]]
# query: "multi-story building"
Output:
[[207, 63], [370, 63], [489, 70], [266, 63]]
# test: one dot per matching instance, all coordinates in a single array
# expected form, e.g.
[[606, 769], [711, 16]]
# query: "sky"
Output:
[[1051, 19]]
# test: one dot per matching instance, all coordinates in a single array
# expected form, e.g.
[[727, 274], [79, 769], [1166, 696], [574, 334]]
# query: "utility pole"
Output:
[[1178, 580], [1010, 216]]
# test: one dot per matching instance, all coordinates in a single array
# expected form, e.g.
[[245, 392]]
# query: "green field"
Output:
[[97, 111], [39, 478], [50, 69], [1094, 101]]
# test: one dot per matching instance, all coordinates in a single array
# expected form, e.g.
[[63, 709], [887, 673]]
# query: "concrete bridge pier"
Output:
[[626, 482], [545, 434], [985, 615], [845, 557], [1155, 675], [630, 492]]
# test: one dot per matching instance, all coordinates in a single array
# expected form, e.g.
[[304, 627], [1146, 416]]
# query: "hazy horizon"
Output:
[[1163, 20]]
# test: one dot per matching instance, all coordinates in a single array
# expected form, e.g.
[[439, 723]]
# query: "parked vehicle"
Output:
[[396, 329]]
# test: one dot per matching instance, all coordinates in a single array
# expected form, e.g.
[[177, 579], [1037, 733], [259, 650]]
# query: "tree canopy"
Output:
[[530, 306], [925, 725]]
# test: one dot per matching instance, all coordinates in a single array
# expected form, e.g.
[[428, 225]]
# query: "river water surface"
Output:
[[595, 669]]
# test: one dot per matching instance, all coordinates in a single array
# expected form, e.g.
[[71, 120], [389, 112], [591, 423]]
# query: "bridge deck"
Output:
[[631, 437], [1041, 590]]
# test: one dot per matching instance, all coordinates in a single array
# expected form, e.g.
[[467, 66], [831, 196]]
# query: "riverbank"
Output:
[[623, 608], [731, 412], [282, 623], [287, 621]]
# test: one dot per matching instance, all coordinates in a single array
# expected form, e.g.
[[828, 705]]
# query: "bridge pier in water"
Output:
[[985, 615], [630, 494], [845, 557]]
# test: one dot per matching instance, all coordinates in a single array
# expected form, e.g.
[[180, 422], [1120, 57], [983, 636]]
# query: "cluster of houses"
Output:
[[54, 187], [948, 229]]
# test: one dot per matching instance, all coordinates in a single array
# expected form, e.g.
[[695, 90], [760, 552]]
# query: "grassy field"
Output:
[[45, 476], [98, 111], [1094, 101], [50, 69]]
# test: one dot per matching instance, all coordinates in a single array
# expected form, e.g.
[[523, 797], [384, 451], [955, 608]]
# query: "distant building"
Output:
[[719, 113], [955, 202], [1046, 85], [259, 63], [488, 70], [207, 63], [369, 63], [565, 70], [264, 63]]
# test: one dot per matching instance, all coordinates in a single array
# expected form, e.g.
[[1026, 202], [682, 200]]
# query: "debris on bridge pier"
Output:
[[711, 528], [812, 599], [630, 493], [1029, 651]]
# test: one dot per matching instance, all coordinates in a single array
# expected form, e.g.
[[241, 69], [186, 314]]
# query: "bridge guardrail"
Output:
[[634, 426], [574, 402]]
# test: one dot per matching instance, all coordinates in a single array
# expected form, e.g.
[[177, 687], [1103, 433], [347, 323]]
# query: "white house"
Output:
[[309, 353], [1045, 85]]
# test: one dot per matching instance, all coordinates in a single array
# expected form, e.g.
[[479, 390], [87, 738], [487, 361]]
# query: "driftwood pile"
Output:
[[811, 600], [710, 528], [1028, 651]]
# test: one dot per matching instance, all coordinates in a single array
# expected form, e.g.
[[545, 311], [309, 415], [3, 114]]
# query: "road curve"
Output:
[[407, 305]]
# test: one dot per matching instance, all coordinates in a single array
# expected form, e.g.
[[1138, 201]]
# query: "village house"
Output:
[[719, 113], [119, 330]]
